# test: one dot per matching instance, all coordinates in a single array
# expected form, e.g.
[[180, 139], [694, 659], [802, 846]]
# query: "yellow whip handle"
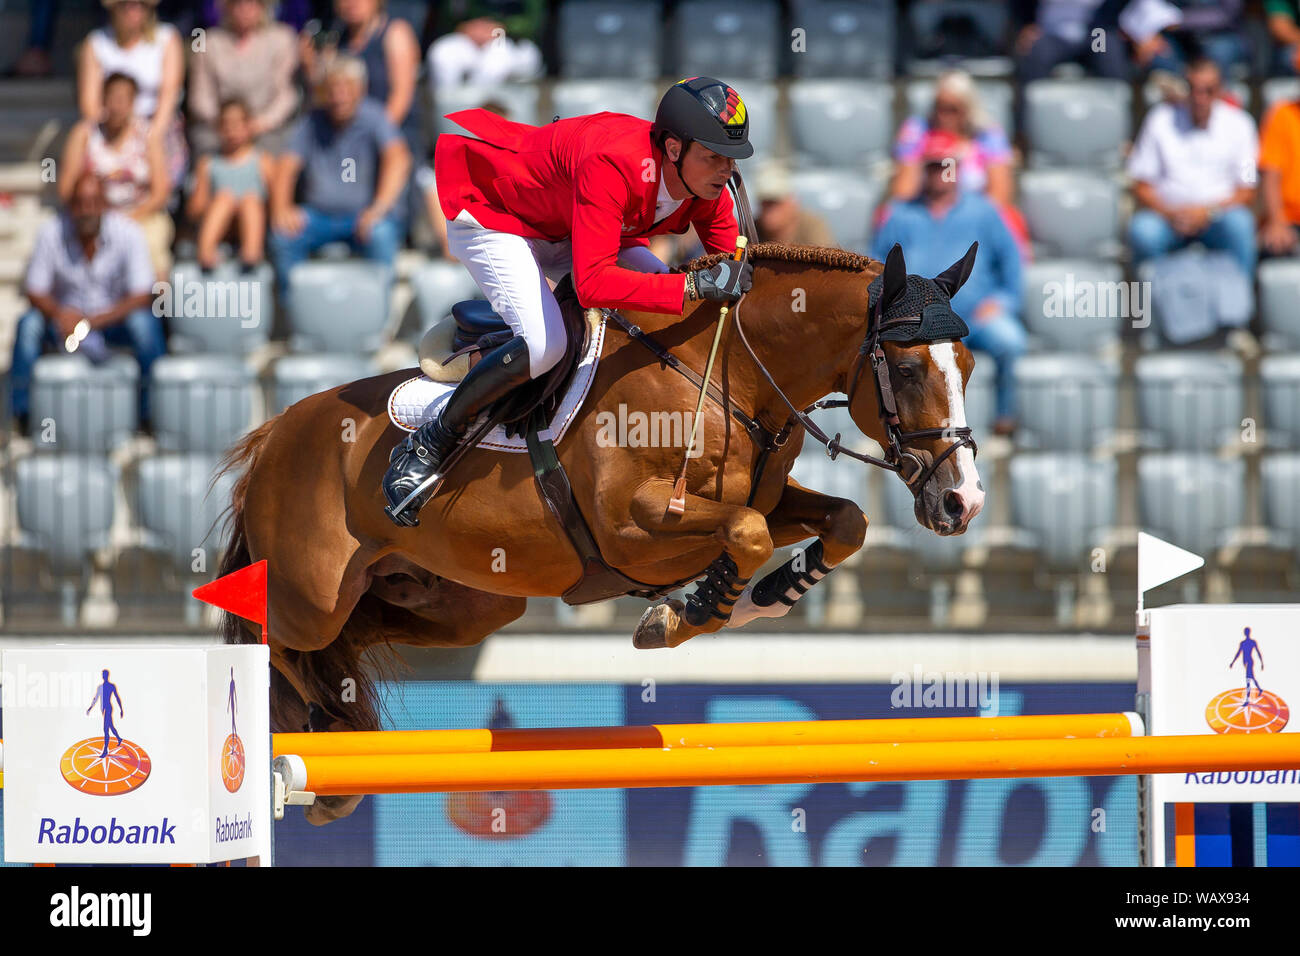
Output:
[[677, 503]]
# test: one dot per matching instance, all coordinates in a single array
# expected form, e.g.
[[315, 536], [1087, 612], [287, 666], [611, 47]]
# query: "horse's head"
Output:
[[912, 359]]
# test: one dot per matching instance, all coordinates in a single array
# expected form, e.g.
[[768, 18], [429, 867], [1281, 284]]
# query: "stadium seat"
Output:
[[844, 199], [225, 311], [1071, 213], [94, 408], [1192, 500], [65, 507], [581, 97], [844, 38], [201, 403], [845, 123], [735, 39], [761, 101], [438, 285], [972, 32], [1075, 305], [1279, 291], [1280, 491], [843, 477], [1075, 123], [980, 398], [519, 99], [1067, 401], [297, 376], [1065, 502], [176, 509], [338, 306], [1189, 401], [1279, 384], [610, 38], [1277, 89], [997, 97]]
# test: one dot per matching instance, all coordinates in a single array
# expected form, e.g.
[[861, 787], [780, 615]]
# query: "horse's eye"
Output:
[[905, 371]]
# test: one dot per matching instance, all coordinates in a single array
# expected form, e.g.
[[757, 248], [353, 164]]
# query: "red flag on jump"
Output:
[[241, 592]]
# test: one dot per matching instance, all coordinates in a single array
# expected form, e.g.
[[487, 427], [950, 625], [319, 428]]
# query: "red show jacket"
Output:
[[594, 178]]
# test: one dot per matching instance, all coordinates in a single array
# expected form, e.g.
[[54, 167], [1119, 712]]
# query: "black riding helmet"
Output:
[[708, 111]]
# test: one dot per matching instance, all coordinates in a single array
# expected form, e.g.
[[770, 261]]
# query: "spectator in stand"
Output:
[[230, 191], [35, 60], [481, 52], [982, 152], [1168, 34], [249, 58], [149, 52], [1283, 18], [353, 134], [780, 217], [128, 162], [1279, 180], [1064, 31], [1193, 171], [89, 278], [936, 229]]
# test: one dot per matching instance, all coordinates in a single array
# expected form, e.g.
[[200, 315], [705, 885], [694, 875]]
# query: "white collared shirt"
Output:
[[665, 205], [1190, 166]]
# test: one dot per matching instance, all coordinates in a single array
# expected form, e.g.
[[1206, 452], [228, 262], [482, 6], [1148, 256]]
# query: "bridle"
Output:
[[897, 457]]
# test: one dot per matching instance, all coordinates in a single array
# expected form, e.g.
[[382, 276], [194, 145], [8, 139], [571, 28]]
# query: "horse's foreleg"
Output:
[[746, 546], [840, 527]]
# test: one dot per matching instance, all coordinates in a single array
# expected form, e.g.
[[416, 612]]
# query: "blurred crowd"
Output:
[[259, 131]]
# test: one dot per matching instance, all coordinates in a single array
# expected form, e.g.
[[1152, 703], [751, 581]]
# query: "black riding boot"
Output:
[[419, 457]]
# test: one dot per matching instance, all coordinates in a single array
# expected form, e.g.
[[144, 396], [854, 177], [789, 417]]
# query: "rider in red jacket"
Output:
[[580, 194]]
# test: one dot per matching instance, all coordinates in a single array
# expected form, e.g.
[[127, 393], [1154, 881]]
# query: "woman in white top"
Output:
[[137, 45]]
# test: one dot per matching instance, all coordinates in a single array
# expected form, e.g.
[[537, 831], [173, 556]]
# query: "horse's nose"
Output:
[[963, 504]]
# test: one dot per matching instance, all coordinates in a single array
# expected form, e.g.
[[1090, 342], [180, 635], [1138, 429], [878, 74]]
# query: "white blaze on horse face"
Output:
[[944, 356]]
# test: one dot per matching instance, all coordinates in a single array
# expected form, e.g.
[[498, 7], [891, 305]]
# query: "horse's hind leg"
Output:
[[746, 546]]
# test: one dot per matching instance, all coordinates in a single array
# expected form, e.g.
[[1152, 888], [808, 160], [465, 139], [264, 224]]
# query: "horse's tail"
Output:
[[242, 456]]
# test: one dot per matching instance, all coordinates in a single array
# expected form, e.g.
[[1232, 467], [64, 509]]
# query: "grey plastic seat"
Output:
[[1191, 499], [997, 97], [844, 199], [1279, 293], [764, 117], [1277, 89], [1279, 381], [338, 306], [1076, 305], [1082, 122], [201, 403], [176, 509], [1189, 400], [610, 38], [65, 506], [232, 314], [1066, 502], [1067, 402], [1071, 213], [980, 397], [844, 38], [439, 285], [842, 477], [581, 97], [94, 408], [731, 39], [1280, 491], [520, 100], [297, 376], [845, 123]]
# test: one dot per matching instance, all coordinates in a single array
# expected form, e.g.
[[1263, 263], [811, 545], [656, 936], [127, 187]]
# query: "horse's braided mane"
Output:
[[784, 252]]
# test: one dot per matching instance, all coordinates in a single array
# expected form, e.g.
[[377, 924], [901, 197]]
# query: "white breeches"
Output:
[[512, 272]]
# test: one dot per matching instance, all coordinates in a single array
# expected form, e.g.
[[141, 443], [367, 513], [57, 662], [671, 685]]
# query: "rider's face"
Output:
[[705, 171]]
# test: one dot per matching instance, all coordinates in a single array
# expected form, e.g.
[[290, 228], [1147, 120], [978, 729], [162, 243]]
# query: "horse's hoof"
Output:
[[657, 625], [328, 809]]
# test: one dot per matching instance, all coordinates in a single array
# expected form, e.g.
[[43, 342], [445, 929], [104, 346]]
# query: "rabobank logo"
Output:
[[232, 749], [107, 765], [1249, 709], [503, 815]]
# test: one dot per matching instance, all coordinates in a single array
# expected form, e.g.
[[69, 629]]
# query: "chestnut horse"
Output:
[[344, 578]]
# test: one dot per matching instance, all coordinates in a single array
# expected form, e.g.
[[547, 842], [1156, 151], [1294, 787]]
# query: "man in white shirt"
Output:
[[1193, 171]]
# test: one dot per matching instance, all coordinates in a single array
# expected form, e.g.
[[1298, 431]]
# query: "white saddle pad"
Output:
[[419, 399]]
